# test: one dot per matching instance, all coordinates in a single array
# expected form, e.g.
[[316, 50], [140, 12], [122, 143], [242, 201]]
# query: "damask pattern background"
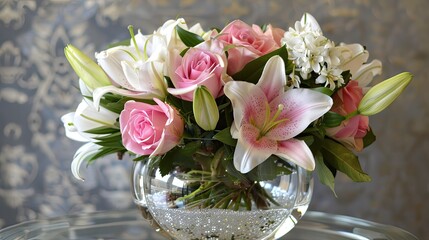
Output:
[[37, 86]]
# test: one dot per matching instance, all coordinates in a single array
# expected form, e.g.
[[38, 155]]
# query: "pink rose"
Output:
[[351, 131], [150, 129], [203, 65], [249, 44], [272, 32]]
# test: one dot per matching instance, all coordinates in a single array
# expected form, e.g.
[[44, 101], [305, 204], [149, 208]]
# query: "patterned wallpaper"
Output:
[[37, 86]]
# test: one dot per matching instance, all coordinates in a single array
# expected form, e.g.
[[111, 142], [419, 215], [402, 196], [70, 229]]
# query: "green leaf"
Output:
[[253, 70], [190, 39], [317, 131], [369, 138], [113, 140], [141, 158], [383, 94], [184, 107], [225, 137], [343, 160], [104, 151], [332, 119], [113, 102], [323, 90], [269, 169], [110, 144], [182, 155], [102, 130], [309, 140], [110, 137], [182, 53], [346, 76], [325, 175]]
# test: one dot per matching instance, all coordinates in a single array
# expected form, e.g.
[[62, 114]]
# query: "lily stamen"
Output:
[[272, 122], [133, 38]]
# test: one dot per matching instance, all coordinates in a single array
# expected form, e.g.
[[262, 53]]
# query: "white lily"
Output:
[[366, 73], [133, 72], [85, 118], [84, 153]]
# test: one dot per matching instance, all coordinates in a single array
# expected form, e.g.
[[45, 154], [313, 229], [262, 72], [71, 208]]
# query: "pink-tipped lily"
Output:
[[266, 119]]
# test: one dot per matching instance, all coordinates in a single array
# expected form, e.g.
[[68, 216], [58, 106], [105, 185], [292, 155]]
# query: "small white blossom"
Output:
[[295, 81], [331, 77], [313, 52]]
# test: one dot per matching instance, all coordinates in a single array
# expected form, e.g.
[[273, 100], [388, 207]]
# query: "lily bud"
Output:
[[89, 71], [205, 109], [383, 94]]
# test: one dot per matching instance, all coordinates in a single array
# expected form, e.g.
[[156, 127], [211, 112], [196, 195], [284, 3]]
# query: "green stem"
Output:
[[199, 172], [352, 114], [203, 188]]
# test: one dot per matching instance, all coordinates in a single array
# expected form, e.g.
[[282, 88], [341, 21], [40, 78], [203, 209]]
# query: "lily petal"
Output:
[[84, 90], [308, 19], [250, 150], [366, 73], [84, 153], [99, 93], [181, 91], [71, 130], [354, 56], [110, 60], [297, 152], [87, 117], [273, 78], [301, 107], [247, 99]]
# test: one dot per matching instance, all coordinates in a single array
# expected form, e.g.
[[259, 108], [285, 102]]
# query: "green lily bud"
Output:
[[383, 94], [205, 109], [89, 71]]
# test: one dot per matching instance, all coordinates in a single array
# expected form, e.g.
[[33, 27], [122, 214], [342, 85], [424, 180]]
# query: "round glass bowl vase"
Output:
[[195, 205]]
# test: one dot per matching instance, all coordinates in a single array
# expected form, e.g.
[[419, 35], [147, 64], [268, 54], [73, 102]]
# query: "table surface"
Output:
[[129, 224]]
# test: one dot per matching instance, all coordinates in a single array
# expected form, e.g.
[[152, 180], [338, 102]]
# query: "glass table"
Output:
[[130, 224]]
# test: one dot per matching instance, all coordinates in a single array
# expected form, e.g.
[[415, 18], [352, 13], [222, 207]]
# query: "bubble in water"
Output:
[[219, 223]]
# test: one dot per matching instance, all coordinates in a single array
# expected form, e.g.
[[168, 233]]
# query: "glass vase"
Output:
[[194, 205]]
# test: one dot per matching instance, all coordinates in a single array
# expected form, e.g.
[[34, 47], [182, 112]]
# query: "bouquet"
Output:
[[235, 101]]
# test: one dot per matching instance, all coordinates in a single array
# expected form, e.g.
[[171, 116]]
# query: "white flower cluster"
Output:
[[312, 52]]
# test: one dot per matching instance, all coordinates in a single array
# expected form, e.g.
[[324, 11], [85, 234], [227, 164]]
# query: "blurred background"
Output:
[[37, 86]]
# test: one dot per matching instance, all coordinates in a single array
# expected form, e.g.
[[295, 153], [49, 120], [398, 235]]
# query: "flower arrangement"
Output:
[[230, 101]]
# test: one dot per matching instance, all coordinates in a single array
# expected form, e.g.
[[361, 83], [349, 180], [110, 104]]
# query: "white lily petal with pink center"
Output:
[[262, 124], [301, 107], [273, 78], [297, 152], [252, 150], [247, 99]]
